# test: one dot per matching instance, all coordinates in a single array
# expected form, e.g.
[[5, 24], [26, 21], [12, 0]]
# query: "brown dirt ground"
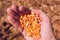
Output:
[[50, 7]]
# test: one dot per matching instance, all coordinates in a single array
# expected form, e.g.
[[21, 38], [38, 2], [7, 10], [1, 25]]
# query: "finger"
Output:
[[13, 13], [15, 8], [14, 22], [24, 10]]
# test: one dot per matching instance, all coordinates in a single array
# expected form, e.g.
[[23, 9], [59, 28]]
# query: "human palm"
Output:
[[14, 16]]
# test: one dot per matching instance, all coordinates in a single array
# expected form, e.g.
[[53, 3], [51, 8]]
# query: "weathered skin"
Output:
[[46, 30]]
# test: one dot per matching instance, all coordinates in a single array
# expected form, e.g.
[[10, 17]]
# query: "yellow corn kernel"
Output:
[[31, 24]]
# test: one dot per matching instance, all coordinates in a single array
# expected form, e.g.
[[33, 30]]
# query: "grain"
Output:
[[31, 24]]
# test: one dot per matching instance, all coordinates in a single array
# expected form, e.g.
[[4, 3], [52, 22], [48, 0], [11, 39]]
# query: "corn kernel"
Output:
[[31, 24]]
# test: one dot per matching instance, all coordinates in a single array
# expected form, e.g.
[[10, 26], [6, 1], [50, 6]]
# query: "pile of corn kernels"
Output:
[[31, 24]]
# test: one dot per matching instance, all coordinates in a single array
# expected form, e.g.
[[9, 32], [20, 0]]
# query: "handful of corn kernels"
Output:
[[31, 24]]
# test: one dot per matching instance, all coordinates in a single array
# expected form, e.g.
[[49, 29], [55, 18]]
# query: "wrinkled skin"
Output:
[[46, 30]]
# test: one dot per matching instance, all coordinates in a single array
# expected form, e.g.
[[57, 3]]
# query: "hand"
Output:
[[46, 30]]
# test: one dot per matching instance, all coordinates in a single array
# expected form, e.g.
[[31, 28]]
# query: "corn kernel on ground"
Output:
[[31, 24]]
